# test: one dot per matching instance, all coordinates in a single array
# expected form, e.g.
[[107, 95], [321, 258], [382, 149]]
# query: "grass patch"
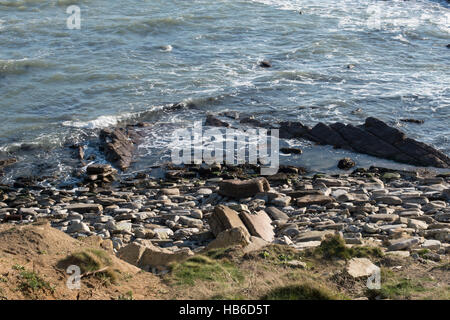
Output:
[[204, 268], [30, 282], [422, 252], [393, 287], [279, 254], [335, 247], [18, 267], [305, 291], [219, 253], [126, 296], [91, 261], [443, 267]]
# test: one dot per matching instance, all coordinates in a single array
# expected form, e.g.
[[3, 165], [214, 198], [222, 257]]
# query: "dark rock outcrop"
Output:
[[215, 122], [118, 145], [291, 150], [290, 130], [374, 138], [265, 64], [7, 162], [412, 121], [422, 153], [346, 164]]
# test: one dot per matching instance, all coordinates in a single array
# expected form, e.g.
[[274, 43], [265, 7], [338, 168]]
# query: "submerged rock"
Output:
[[213, 121], [346, 164], [265, 64]]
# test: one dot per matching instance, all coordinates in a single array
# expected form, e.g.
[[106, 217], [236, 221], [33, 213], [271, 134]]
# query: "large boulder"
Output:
[[147, 256], [224, 218], [243, 188], [231, 237], [259, 225]]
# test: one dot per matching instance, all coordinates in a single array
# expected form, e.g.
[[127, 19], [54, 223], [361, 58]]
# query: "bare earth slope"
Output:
[[31, 268]]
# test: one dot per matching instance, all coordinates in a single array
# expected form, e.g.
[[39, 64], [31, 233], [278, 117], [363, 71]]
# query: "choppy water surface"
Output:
[[131, 58]]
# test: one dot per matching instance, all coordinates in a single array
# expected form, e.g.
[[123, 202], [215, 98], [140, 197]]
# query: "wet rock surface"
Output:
[[374, 138]]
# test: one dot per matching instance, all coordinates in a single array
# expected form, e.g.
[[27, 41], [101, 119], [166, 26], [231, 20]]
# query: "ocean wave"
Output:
[[21, 66], [98, 123], [140, 25], [105, 121]]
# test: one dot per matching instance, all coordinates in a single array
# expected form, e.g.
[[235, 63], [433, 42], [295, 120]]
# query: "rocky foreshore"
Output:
[[151, 222]]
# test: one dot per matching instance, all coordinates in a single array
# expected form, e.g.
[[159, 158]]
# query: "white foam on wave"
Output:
[[355, 15], [167, 48], [100, 122]]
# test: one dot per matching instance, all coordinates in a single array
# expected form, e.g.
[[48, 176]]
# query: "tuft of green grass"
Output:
[[92, 260], [219, 253], [126, 296], [393, 287], [30, 282], [335, 247], [279, 254], [204, 268], [18, 267], [422, 252], [305, 291]]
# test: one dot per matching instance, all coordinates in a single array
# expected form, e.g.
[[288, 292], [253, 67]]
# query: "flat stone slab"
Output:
[[85, 207], [259, 225], [403, 244], [276, 214], [383, 217], [313, 236], [314, 199], [307, 245], [361, 267]]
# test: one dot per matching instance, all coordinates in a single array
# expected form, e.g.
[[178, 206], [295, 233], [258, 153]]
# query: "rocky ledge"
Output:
[[374, 138], [152, 222]]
